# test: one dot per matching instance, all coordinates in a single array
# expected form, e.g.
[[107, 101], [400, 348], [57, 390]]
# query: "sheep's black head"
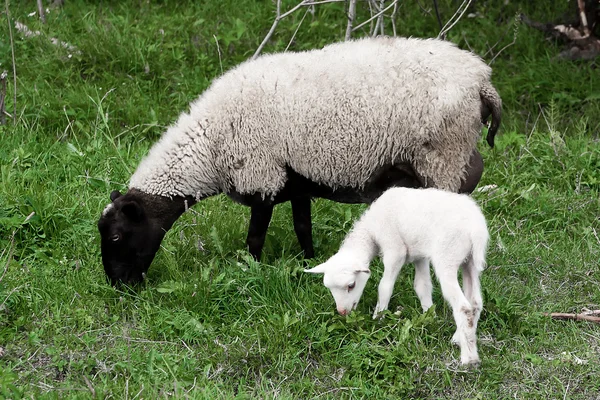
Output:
[[130, 237]]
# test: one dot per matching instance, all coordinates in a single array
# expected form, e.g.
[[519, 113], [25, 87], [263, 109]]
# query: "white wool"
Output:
[[333, 115], [108, 207], [419, 226]]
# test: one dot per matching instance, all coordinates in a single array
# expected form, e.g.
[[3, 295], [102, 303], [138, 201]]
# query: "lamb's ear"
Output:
[[319, 269], [133, 211], [115, 194], [363, 269]]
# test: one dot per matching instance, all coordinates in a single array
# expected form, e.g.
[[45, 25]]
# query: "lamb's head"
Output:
[[346, 277], [131, 229]]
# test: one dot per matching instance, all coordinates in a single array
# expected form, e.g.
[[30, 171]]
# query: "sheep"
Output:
[[343, 123], [416, 226]]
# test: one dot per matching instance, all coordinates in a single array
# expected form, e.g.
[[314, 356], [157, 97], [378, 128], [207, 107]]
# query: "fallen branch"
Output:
[[25, 31], [581, 43], [590, 316]]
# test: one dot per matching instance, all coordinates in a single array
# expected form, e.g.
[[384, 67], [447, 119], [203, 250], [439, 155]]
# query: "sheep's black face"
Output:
[[129, 239]]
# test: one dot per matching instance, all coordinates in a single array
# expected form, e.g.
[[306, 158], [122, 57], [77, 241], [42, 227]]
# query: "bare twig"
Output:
[[584, 23], [393, 18], [351, 16], [272, 30], [14, 65], [41, 11], [380, 19], [375, 16], [219, 51], [455, 18], [575, 317], [297, 28], [437, 14], [279, 16]]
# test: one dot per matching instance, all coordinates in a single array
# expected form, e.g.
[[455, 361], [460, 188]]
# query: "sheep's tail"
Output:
[[479, 240], [490, 104]]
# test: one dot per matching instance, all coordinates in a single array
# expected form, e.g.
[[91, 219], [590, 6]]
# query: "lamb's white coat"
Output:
[[334, 115], [418, 226]]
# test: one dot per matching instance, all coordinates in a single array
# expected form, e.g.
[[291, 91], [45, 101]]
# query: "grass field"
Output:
[[211, 323]]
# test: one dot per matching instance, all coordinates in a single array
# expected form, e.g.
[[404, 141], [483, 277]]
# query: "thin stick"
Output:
[[379, 19], [296, 31], [575, 317], [381, 24], [12, 50], [219, 51], [270, 33], [374, 16], [279, 17], [437, 14], [454, 19], [584, 23], [351, 15], [40, 6], [393, 18]]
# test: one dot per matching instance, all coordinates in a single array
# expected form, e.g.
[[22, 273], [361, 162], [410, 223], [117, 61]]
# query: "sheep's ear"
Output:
[[363, 269], [319, 269], [115, 194], [133, 211]]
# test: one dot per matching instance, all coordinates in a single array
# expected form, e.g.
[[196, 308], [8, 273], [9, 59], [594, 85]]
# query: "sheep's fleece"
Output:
[[333, 115]]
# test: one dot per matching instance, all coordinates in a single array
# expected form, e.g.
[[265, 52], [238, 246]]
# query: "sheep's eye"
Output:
[[351, 286], [115, 238]]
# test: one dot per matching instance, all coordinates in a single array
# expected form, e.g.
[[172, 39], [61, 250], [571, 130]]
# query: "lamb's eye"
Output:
[[351, 286], [115, 237]]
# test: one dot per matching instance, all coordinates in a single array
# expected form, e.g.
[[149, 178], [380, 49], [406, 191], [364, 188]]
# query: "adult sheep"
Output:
[[343, 123]]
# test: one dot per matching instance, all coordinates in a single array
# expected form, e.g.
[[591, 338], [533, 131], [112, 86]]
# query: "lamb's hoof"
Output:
[[455, 340], [472, 364]]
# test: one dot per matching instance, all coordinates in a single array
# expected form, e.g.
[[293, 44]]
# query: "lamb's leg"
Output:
[[422, 284], [472, 288], [392, 262], [260, 218], [463, 312], [303, 224]]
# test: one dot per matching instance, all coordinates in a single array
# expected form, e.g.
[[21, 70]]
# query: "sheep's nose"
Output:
[[342, 311]]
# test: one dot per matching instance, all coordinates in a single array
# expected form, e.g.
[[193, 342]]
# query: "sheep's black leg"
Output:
[[474, 172], [303, 224], [260, 218]]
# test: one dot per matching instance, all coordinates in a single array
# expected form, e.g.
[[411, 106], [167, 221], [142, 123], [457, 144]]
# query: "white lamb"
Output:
[[418, 226]]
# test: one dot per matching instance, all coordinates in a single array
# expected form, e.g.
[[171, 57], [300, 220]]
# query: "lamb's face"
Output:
[[129, 239], [346, 279], [347, 288]]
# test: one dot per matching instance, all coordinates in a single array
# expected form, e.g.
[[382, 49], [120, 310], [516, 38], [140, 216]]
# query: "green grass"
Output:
[[212, 323]]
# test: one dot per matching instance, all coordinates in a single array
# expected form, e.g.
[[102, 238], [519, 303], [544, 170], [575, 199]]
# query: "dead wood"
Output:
[[590, 316], [580, 36]]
